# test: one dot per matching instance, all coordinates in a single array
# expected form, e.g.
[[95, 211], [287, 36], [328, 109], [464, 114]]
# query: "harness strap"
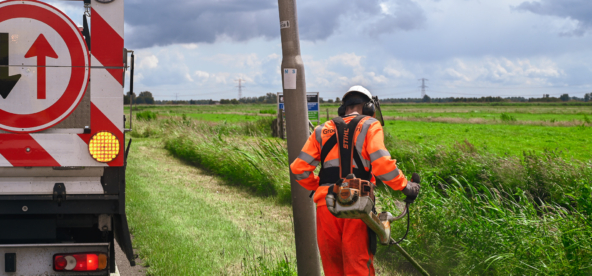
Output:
[[327, 147], [345, 135]]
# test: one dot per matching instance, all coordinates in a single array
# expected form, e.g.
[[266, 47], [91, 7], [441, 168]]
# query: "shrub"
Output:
[[507, 118], [146, 116]]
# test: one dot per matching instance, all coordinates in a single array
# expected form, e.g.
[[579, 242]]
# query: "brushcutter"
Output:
[[353, 198]]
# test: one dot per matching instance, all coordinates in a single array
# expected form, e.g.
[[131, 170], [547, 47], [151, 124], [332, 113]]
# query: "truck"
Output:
[[62, 139]]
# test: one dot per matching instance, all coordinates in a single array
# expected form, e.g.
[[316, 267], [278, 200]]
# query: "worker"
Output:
[[347, 246]]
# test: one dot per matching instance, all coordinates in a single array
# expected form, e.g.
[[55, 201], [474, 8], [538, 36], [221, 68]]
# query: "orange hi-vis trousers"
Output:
[[343, 244]]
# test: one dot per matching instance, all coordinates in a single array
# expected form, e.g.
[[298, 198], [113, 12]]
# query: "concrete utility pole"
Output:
[[423, 86], [307, 252]]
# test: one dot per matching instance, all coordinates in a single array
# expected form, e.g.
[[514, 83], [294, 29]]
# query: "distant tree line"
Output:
[[146, 97], [268, 98], [546, 98], [337, 100]]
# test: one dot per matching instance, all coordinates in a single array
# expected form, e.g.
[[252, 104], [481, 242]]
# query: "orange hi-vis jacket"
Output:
[[369, 144]]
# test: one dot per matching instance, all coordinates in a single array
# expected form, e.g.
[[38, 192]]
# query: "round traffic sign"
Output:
[[44, 66]]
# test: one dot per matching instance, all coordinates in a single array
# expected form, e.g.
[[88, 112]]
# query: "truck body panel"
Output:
[[36, 259], [55, 194]]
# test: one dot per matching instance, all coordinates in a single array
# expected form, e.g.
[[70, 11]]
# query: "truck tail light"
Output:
[[80, 262], [104, 146]]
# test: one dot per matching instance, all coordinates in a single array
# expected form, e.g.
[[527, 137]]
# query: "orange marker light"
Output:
[[104, 147]]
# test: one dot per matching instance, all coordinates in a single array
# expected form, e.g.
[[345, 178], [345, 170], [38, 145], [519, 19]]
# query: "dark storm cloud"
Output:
[[161, 23], [580, 10], [156, 22]]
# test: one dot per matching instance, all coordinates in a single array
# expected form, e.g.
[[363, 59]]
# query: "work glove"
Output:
[[412, 188]]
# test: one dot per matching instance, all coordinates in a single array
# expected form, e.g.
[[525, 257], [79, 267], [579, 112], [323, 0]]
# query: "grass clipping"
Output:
[[247, 160]]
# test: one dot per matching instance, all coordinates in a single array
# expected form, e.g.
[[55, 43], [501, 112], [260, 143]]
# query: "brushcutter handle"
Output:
[[412, 189], [386, 216]]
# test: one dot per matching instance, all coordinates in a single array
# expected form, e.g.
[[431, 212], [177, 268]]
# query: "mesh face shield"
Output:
[[378, 112]]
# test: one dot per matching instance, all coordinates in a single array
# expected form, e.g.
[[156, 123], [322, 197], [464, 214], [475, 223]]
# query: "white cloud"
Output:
[[150, 61], [202, 75], [190, 46], [398, 72], [236, 60], [340, 71], [502, 70]]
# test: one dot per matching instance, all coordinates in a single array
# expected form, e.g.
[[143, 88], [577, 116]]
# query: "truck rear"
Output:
[[62, 136]]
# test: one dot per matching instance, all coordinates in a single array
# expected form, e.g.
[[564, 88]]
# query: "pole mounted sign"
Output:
[[44, 66], [312, 102]]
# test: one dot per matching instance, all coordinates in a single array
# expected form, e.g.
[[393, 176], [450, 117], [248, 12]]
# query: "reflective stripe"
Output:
[[331, 163], [335, 163], [318, 132], [378, 154], [365, 162], [302, 176], [361, 138], [308, 158], [389, 176]]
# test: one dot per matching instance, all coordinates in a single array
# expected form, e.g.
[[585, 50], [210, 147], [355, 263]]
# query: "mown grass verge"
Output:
[[186, 222], [240, 153]]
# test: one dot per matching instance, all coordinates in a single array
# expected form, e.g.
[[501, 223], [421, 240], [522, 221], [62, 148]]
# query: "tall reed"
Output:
[[248, 160]]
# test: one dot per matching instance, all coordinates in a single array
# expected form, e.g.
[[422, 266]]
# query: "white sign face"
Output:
[[284, 24], [24, 98], [290, 78], [46, 66]]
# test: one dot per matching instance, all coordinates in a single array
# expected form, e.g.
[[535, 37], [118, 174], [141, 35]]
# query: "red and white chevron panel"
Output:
[[52, 148], [106, 84]]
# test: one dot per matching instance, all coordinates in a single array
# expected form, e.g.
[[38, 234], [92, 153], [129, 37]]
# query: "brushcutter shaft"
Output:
[[409, 258]]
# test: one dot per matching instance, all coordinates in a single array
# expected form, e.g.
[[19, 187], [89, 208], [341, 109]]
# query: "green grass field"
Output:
[[413, 124], [501, 139], [499, 198]]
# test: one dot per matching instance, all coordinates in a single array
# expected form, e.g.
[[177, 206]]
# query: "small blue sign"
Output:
[[313, 106], [282, 106]]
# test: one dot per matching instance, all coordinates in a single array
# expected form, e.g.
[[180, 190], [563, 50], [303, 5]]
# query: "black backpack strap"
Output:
[[327, 147], [333, 174], [361, 172], [345, 140]]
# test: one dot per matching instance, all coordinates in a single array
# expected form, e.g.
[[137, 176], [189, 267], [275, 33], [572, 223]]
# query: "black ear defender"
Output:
[[369, 109], [341, 110]]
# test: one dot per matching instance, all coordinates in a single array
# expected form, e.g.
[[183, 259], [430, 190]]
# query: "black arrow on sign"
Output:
[[6, 82]]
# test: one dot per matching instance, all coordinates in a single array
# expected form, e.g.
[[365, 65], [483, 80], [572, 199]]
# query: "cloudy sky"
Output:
[[196, 49]]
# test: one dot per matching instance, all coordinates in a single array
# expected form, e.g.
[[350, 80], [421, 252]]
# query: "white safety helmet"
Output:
[[360, 89]]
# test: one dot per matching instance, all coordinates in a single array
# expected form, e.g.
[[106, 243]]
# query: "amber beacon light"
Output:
[[104, 146]]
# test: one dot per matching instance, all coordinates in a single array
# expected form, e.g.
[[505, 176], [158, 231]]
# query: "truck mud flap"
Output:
[[123, 237]]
